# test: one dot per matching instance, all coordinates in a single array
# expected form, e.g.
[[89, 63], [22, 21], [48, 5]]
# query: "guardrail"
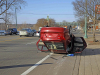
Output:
[[2, 32]]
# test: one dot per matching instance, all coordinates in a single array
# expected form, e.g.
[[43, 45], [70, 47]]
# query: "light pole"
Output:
[[16, 17], [85, 36], [48, 20], [1, 25]]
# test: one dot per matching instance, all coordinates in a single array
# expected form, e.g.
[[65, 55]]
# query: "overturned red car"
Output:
[[60, 40]]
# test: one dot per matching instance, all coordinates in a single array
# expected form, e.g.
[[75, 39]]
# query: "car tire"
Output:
[[10, 33], [26, 35], [29, 34], [33, 34], [20, 35]]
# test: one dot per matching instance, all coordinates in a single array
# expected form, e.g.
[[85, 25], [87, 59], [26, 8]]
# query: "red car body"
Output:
[[59, 40]]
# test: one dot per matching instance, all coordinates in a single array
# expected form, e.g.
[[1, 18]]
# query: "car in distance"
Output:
[[12, 31], [26, 32], [74, 29], [7, 32], [37, 33], [2, 32], [34, 31], [17, 32]]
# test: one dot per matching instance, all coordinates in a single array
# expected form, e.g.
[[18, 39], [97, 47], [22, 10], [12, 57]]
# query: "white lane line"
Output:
[[37, 64], [31, 42]]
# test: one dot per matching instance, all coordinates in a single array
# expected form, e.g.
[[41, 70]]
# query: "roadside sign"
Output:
[[97, 9]]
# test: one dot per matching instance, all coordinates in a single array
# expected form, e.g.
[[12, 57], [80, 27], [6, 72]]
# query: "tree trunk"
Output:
[[94, 39]]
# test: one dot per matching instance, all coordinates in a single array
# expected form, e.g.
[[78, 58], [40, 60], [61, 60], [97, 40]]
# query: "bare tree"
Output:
[[43, 22], [24, 25], [9, 4], [82, 22], [98, 18], [80, 9], [52, 22], [6, 7]]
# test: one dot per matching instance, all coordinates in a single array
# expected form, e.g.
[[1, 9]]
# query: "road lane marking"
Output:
[[31, 43], [21, 38], [8, 40], [1, 41], [36, 65]]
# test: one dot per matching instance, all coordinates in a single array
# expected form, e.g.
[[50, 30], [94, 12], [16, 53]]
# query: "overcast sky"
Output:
[[57, 9]]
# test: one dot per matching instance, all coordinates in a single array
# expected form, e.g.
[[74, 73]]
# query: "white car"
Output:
[[26, 32], [37, 33]]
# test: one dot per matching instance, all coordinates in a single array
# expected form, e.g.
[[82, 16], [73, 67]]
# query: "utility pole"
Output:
[[85, 36], [6, 16], [16, 17]]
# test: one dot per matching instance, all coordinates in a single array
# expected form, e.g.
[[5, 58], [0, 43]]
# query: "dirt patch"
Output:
[[89, 41], [93, 43]]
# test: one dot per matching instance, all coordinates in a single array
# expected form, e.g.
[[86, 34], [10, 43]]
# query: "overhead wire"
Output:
[[46, 14]]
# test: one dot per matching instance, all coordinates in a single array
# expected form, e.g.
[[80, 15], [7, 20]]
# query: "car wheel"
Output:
[[20, 35], [26, 35], [33, 34], [10, 33]]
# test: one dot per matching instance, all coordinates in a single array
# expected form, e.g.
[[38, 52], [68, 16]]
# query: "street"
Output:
[[54, 37], [20, 56]]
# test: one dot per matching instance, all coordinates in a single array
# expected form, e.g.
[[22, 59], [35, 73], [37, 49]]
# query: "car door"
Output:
[[32, 32], [29, 32], [79, 44]]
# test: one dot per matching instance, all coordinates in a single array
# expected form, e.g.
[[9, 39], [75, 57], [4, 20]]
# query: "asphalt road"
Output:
[[78, 33], [17, 54]]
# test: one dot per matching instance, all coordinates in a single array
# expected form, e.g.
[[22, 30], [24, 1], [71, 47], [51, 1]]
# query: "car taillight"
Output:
[[58, 37]]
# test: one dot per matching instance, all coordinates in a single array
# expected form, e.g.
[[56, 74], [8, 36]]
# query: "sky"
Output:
[[58, 10]]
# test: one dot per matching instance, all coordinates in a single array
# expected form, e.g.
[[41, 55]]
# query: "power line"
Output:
[[46, 14]]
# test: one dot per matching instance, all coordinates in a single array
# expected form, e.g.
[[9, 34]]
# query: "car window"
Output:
[[29, 30], [24, 30], [34, 30], [55, 45]]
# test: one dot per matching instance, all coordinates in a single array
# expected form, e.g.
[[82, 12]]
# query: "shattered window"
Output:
[[55, 45]]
